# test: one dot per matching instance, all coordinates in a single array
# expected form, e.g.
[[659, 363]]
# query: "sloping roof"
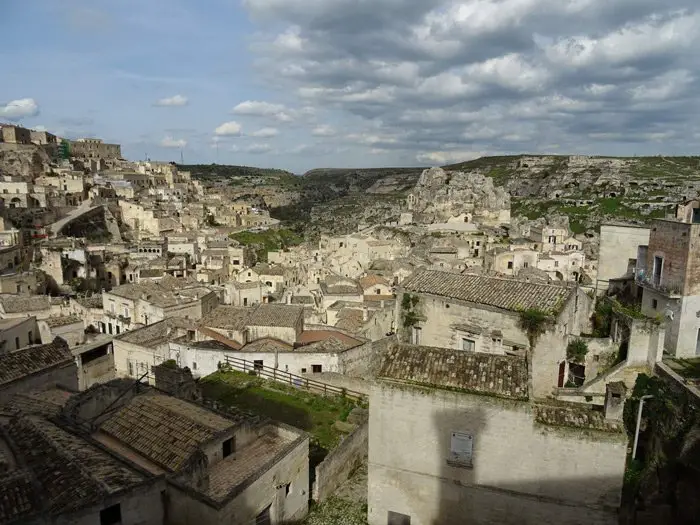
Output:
[[20, 363], [94, 301], [276, 315], [165, 429], [19, 499], [269, 269], [227, 318], [340, 289], [152, 335], [491, 291], [478, 373], [71, 472], [24, 303], [373, 280], [55, 322]]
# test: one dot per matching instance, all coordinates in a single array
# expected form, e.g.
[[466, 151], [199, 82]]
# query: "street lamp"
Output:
[[639, 421]]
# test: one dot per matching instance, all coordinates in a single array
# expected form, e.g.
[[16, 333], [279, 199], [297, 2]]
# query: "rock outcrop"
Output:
[[441, 196], [25, 161]]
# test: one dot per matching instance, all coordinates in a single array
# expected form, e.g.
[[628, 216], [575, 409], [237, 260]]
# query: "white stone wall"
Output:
[[618, 244], [141, 359], [523, 473], [142, 506]]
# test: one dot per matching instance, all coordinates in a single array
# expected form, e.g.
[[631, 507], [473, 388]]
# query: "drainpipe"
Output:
[[639, 420]]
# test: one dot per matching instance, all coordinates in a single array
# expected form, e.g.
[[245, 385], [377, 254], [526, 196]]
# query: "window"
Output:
[[468, 344], [117, 329], [258, 364], [447, 305], [526, 264], [17, 343], [227, 447], [510, 265], [461, 447], [236, 261], [654, 303], [396, 518], [416, 335], [109, 328], [316, 369], [194, 365], [556, 264], [245, 301], [29, 336], [111, 515], [303, 370], [287, 488], [378, 291]]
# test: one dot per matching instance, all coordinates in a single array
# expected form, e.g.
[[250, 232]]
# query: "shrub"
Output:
[[576, 351], [533, 322]]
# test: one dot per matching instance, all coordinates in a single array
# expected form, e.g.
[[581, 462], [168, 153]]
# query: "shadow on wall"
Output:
[[478, 485]]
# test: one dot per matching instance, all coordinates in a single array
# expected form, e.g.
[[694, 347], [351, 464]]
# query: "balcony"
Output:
[[663, 285]]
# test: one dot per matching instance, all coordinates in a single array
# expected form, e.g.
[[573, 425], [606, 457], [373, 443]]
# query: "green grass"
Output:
[[313, 413], [337, 511], [267, 240], [687, 368]]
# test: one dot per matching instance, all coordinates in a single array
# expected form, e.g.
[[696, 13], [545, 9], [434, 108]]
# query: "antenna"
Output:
[[182, 161]]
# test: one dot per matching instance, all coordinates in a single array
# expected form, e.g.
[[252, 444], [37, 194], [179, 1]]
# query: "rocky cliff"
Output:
[[26, 161], [441, 195]]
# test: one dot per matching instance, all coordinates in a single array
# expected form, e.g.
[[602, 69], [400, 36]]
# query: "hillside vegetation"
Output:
[[590, 190]]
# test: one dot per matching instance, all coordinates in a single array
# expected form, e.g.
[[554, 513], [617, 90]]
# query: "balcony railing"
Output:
[[670, 287]]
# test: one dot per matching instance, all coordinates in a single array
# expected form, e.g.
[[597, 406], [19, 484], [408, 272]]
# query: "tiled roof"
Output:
[[227, 318], [478, 373], [575, 415], [19, 500], [72, 473], [268, 345], [55, 322], [276, 315], [20, 363], [94, 301], [269, 269], [350, 319], [158, 333], [24, 303], [373, 280], [165, 429], [500, 293], [340, 289]]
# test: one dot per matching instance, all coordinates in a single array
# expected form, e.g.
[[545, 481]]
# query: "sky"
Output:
[[302, 84]]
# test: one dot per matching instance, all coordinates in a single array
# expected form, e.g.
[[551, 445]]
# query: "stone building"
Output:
[[42, 138], [618, 252], [17, 333], [475, 448], [95, 148], [14, 134], [37, 367], [669, 275], [481, 314], [131, 305], [220, 467]]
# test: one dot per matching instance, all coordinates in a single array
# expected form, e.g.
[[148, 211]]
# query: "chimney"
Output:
[[615, 400], [365, 313], [289, 297]]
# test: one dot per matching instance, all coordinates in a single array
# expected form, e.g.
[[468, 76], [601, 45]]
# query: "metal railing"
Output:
[[667, 286], [267, 372]]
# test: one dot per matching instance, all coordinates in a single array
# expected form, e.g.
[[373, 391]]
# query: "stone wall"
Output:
[[176, 381], [618, 244], [65, 375], [521, 471], [339, 464]]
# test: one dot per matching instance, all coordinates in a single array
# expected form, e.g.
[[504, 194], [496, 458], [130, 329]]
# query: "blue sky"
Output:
[[298, 84]]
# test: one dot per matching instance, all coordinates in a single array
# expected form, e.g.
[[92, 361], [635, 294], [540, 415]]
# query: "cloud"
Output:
[[323, 131], [255, 108], [265, 132], [174, 101], [170, 142], [438, 81], [231, 128], [18, 109], [447, 157], [258, 148]]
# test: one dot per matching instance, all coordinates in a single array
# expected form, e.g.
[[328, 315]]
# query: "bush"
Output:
[[576, 351], [602, 318], [533, 322]]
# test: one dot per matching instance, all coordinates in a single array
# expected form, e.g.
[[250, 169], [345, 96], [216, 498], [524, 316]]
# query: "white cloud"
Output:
[[323, 130], [663, 87], [20, 108], [170, 142], [231, 128], [265, 132], [174, 101], [447, 157], [256, 108], [258, 148]]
